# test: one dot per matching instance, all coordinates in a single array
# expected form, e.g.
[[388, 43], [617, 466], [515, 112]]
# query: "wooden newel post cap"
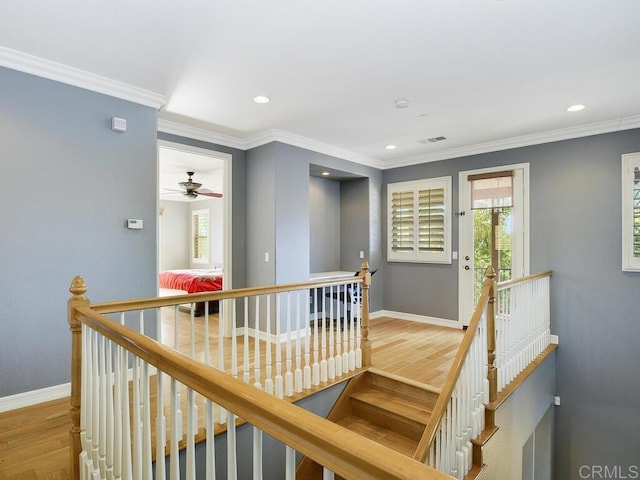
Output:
[[78, 287], [490, 273]]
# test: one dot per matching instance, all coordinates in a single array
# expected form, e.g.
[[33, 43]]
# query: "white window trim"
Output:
[[417, 256], [629, 162]]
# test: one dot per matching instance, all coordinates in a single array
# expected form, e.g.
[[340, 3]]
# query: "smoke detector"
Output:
[[402, 103]]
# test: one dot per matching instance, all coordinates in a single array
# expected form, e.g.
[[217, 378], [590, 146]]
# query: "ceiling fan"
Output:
[[192, 189]]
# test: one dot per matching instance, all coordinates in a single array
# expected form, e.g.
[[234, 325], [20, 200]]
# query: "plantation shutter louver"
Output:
[[636, 212], [403, 219], [431, 220], [200, 235]]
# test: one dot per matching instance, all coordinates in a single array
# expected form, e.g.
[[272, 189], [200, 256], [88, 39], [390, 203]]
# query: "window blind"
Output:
[[492, 190], [200, 235]]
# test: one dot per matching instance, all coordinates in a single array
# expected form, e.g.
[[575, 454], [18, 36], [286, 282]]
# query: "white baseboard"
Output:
[[34, 397], [416, 318]]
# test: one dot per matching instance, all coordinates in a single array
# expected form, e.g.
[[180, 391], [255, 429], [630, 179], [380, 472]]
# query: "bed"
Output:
[[175, 282]]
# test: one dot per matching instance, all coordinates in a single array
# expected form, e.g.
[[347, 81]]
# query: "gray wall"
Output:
[[174, 248], [511, 453], [67, 185], [324, 225], [278, 214], [575, 201], [354, 224]]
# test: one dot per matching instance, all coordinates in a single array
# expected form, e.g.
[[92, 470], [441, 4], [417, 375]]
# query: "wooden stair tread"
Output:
[[379, 434], [393, 404]]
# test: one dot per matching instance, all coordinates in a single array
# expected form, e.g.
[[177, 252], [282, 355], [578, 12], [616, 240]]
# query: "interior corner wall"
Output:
[[324, 225], [354, 223], [238, 201], [68, 184], [285, 168], [575, 231], [175, 235]]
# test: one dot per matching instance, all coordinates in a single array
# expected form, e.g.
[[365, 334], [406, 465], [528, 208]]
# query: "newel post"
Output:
[[365, 342], [492, 374], [78, 289]]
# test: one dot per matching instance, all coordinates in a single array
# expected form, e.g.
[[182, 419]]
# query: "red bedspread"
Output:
[[191, 281]]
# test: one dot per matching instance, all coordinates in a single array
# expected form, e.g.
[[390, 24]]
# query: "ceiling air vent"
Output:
[[432, 140]]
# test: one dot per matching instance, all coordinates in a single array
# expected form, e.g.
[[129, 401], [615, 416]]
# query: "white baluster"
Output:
[[306, 373], [257, 454], [232, 456], [210, 441], [190, 459], [315, 368], [288, 377], [298, 372], [290, 463], [246, 374], [234, 339], [345, 333], [279, 387], [268, 383], [222, 307], [331, 363], [324, 374], [256, 342]]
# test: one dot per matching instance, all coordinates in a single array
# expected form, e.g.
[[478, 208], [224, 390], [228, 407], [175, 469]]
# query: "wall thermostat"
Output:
[[134, 223]]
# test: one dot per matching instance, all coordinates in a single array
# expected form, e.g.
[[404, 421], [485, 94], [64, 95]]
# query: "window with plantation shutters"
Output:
[[419, 227], [200, 235], [631, 212]]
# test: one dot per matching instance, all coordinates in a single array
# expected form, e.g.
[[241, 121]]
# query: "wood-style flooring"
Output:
[[34, 440]]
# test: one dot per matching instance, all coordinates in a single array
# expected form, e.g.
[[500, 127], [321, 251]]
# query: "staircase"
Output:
[[387, 409]]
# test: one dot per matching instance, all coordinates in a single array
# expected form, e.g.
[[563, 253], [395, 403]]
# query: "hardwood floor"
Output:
[[34, 440]]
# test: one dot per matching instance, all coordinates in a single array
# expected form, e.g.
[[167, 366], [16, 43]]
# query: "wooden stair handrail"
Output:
[[344, 452], [440, 407], [144, 303], [518, 281]]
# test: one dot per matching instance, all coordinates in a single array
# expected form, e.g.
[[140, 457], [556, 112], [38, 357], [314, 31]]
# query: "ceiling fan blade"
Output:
[[209, 194]]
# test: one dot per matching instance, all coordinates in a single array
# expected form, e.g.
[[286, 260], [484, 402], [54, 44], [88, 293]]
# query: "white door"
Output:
[[490, 236]]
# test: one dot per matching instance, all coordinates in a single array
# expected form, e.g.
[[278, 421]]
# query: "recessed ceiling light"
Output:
[[261, 99], [390, 147], [575, 108], [423, 115], [325, 174]]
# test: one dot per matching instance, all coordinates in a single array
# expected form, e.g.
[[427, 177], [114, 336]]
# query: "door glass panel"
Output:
[[484, 245]]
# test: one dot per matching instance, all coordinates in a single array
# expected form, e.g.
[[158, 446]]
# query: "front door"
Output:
[[494, 229]]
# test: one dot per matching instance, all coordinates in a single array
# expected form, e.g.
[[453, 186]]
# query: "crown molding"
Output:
[[263, 138], [41, 67], [203, 134], [312, 145], [608, 126]]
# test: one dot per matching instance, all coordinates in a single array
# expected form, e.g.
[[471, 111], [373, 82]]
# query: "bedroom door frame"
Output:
[[227, 254]]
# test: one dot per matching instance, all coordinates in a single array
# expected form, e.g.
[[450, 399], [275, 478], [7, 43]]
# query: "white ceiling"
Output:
[[486, 74]]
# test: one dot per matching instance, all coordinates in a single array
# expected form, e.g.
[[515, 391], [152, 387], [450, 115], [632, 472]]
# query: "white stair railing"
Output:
[[118, 369], [523, 319]]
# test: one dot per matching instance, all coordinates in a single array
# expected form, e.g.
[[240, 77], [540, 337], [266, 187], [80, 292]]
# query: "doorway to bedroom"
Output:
[[194, 218]]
